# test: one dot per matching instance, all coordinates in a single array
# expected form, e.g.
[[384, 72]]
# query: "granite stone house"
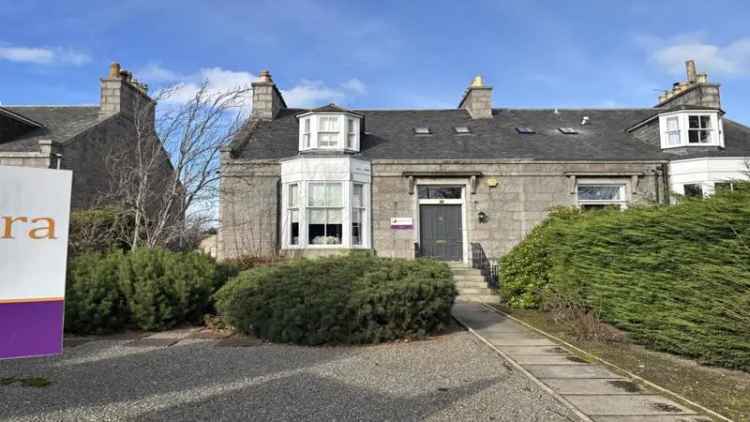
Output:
[[79, 138], [446, 183]]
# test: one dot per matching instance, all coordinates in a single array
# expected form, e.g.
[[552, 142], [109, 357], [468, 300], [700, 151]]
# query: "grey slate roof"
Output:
[[60, 123], [390, 135]]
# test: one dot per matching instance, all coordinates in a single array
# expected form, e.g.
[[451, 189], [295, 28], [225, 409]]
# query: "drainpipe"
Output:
[[665, 178]]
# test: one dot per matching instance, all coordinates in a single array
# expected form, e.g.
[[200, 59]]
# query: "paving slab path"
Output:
[[591, 391]]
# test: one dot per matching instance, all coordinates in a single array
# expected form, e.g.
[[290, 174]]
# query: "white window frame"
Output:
[[340, 207], [293, 206], [361, 210], [623, 185], [716, 130], [335, 134], [347, 134], [347, 209]]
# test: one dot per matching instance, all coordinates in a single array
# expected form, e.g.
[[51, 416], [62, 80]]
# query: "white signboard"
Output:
[[34, 214], [402, 223]]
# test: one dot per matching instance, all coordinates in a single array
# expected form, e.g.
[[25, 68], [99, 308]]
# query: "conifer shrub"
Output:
[[164, 288], [351, 299], [93, 300], [675, 278]]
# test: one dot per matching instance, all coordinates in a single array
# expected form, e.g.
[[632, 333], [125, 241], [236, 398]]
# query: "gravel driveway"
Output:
[[448, 378]]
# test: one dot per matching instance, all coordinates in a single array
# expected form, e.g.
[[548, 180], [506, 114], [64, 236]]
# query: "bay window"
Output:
[[690, 128], [329, 131]]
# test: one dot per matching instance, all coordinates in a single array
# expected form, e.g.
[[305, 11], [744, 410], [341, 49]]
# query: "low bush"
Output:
[[93, 300], [152, 289], [164, 288], [675, 278], [351, 299]]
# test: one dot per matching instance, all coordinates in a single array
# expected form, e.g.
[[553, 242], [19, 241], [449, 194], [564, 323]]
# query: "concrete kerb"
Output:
[[644, 381], [528, 374]]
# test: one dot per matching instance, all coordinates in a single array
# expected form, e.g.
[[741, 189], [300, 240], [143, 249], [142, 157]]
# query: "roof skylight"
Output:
[[422, 130], [462, 130], [568, 130], [525, 130]]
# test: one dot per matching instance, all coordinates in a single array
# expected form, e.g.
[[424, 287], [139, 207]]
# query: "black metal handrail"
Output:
[[488, 268]]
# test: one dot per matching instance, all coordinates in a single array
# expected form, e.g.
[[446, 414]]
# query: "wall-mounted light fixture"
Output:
[[482, 217]]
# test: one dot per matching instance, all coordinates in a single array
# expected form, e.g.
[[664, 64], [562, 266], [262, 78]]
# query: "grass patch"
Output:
[[722, 390], [36, 382]]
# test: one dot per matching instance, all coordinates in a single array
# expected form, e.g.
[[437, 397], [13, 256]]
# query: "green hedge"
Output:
[[351, 299], [93, 300], [152, 289], [676, 278]]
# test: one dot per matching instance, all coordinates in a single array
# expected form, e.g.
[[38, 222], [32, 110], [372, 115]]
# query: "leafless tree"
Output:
[[166, 179]]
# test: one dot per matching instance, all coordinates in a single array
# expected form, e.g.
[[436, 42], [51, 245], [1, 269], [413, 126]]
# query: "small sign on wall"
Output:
[[402, 223], [34, 213]]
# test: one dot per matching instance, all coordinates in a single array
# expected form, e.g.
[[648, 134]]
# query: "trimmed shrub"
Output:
[[93, 301], [164, 288], [352, 299], [675, 278]]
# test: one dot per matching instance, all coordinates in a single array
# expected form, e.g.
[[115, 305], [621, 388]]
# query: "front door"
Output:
[[440, 232]]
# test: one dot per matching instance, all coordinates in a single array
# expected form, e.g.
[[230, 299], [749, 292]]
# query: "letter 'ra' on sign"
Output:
[[35, 228]]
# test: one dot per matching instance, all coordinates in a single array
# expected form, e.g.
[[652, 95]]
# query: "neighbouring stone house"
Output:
[[446, 183], [84, 139]]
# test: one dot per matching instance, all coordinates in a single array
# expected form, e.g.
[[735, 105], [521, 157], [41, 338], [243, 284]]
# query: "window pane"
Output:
[[693, 137], [704, 136], [722, 187], [595, 207], [294, 235], [317, 216], [357, 227], [439, 192], [349, 140], [329, 124], [307, 125], [327, 139], [335, 216], [705, 122], [693, 121], [316, 195], [674, 138], [334, 195], [293, 196], [334, 234], [694, 191], [357, 201], [673, 123], [599, 192]]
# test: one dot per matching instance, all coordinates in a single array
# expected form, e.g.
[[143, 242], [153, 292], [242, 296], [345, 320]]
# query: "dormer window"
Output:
[[691, 128], [329, 128]]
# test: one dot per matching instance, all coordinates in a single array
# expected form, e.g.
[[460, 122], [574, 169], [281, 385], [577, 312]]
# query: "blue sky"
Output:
[[384, 54]]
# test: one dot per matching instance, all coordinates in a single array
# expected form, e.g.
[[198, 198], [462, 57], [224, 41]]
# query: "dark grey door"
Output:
[[440, 232]]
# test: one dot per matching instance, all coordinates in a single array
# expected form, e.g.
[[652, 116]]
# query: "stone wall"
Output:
[[526, 191], [25, 159], [249, 208], [524, 195]]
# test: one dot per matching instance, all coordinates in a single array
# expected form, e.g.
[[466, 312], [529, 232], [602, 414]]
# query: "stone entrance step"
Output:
[[478, 298]]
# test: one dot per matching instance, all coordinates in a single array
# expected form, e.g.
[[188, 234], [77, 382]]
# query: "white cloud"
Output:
[[732, 58], [355, 85], [307, 93], [43, 56]]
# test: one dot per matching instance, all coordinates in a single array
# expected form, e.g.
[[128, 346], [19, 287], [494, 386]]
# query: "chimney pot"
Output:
[[265, 76], [691, 75], [114, 70]]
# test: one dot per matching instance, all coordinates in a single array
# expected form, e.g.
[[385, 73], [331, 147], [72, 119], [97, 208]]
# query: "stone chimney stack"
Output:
[[477, 99], [121, 93], [267, 99], [695, 91]]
